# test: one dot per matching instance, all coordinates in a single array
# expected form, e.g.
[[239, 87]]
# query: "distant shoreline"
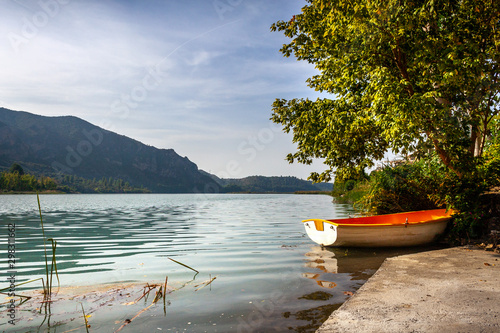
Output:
[[61, 192], [32, 192], [314, 192]]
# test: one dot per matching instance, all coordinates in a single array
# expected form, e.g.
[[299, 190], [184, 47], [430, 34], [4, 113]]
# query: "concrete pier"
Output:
[[451, 290]]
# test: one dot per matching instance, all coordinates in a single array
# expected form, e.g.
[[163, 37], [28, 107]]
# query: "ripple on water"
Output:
[[253, 244]]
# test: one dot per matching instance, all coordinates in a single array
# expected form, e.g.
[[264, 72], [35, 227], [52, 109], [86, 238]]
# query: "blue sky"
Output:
[[198, 76]]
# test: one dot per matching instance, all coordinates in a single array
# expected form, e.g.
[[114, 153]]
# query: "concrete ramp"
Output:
[[451, 290]]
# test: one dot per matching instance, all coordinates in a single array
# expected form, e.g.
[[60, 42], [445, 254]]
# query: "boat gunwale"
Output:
[[438, 219]]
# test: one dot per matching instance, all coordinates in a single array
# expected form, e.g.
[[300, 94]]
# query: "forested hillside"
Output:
[[69, 146]]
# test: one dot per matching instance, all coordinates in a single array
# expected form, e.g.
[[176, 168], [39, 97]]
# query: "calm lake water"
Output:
[[269, 276]]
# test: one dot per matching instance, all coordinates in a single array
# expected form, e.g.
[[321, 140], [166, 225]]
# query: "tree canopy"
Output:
[[411, 77], [16, 168]]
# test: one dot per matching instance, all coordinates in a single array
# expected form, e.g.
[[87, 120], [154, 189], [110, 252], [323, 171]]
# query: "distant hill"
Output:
[[86, 157], [56, 146], [262, 184]]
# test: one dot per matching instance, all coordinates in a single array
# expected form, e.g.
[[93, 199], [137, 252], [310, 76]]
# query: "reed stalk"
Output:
[[53, 265], [180, 263], [85, 319], [23, 297], [47, 286], [165, 296], [206, 283], [46, 289]]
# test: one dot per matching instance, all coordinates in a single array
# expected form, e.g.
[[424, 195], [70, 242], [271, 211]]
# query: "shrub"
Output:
[[427, 184], [395, 189]]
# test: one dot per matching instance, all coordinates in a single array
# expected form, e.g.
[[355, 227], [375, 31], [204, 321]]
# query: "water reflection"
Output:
[[359, 263], [338, 273], [254, 244], [323, 262]]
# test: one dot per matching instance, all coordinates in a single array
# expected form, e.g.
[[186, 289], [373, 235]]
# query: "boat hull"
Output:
[[395, 233]]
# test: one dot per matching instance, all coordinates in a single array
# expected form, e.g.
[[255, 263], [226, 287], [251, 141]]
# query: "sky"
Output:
[[197, 76]]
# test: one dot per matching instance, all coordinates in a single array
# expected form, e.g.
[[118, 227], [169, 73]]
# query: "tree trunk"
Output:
[[478, 145], [476, 139]]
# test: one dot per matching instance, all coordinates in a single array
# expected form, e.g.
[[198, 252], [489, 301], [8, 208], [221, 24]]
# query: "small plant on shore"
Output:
[[47, 286]]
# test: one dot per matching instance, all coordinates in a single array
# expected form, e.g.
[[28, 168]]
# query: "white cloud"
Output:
[[218, 75]]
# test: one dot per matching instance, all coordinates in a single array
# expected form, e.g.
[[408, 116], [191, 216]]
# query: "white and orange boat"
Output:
[[391, 230]]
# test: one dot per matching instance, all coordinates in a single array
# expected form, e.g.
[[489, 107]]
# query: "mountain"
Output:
[[262, 184], [56, 146]]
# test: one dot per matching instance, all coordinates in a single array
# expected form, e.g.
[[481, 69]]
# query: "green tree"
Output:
[[16, 168], [9, 181], [411, 77]]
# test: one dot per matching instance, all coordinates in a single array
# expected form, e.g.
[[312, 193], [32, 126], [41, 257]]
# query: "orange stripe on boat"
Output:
[[418, 217], [319, 225]]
